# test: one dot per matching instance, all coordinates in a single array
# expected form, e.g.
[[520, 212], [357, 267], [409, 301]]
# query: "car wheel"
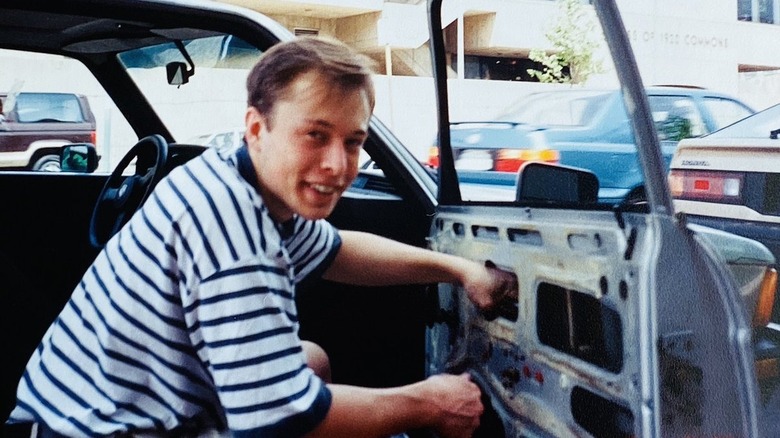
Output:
[[47, 163]]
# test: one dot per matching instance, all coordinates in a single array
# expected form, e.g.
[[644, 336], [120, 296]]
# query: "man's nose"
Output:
[[335, 157]]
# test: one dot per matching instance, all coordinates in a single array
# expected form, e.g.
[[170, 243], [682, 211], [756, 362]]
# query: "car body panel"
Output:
[[746, 150]]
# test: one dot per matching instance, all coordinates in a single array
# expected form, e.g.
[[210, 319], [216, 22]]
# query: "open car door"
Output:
[[628, 323]]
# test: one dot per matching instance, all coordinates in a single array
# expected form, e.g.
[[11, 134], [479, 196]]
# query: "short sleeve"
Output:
[[312, 247]]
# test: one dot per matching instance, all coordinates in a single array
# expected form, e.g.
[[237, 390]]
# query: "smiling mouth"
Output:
[[325, 189]]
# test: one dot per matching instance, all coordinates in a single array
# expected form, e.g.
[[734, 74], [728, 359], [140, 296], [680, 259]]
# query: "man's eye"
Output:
[[319, 136], [354, 145]]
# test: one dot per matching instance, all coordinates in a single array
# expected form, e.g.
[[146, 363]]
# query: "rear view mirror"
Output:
[[556, 184], [178, 73], [79, 158]]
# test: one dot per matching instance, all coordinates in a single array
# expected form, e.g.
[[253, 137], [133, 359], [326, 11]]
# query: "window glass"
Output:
[[745, 10], [39, 107], [676, 117], [190, 110], [52, 100], [766, 11], [725, 111]]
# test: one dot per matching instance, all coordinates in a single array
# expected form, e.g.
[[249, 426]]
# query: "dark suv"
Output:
[[36, 125]]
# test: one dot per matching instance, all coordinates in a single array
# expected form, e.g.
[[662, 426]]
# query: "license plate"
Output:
[[474, 160]]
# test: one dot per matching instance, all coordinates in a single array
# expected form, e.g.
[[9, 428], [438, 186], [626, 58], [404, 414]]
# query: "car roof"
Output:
[[70, 27]]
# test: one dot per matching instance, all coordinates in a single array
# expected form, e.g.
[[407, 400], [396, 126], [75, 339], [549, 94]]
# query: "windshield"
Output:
[[759, 125], [557, 108], [48, 107], [212, 101]]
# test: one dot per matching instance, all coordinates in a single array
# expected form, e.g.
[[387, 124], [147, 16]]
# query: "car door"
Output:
[[627, 322]]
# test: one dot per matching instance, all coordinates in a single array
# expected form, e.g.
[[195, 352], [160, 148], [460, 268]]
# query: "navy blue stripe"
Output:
[[283, 401], [172, 321], [245, 270], [182, 394], [237, 207], [139, 388], [245, 167], [174, 367], [135, 322], [214, 212], [295, 425], [81, 427], [252, 338], [241, 317], [312, 251], [299, 240], [260, 221], [96, 412], [247, 171], [327, 260], [260, 290], [75, 397], [263, 382], [258, 359], [117, 356], [175, 225], [150, 255], [77, 369], [171, 251], [195, 221]]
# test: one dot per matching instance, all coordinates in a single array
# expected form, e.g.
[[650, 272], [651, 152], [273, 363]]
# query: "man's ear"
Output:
[[253, 122]]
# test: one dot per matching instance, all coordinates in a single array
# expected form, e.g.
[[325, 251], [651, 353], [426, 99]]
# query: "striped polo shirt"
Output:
[[186, 320]]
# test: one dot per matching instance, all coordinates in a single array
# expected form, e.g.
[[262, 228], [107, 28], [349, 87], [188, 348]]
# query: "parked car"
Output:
[[586, 128], [629, 322], [36, 125], [730, 179]]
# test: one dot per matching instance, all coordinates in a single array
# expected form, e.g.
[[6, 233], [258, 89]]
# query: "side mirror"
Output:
[[556, 184], [79, 158]]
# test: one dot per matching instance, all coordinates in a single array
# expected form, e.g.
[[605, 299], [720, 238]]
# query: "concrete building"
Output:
[[728, 45], [724, 45]]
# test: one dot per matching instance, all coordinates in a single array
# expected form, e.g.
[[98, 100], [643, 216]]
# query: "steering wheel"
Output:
[[123, 195]]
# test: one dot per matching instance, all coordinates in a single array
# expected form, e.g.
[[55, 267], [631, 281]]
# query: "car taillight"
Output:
[[706, 185], [433, 156], [93, 137], [766, 299], [510, 160]]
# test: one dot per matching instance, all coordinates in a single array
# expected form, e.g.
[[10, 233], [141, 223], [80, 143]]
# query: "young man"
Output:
[[186, 321]]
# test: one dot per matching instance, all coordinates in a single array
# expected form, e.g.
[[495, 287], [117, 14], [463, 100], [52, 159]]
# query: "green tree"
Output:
[[574, 38]]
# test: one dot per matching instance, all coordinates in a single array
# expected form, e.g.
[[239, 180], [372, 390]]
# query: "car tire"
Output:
[[47, 163]]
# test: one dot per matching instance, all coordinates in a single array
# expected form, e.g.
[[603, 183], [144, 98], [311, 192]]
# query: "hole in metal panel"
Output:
[[525, 237], [599, 416], [579, 325]]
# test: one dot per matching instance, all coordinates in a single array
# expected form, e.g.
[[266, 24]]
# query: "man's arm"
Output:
[[371, 260], [448, 404]]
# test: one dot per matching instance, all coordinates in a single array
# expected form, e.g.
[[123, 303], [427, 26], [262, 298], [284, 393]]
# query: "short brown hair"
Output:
[[282, 63]]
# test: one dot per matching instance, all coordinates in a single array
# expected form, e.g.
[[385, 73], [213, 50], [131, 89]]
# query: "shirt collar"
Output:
[[247, 171]]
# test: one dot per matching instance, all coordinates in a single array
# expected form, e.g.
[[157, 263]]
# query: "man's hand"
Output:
[[459, 403], [488, 286]]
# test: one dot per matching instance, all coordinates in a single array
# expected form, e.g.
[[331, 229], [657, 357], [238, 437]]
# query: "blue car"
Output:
[[588, 129]]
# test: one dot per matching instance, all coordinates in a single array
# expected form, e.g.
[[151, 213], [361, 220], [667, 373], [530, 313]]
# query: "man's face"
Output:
[[306, 152]]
